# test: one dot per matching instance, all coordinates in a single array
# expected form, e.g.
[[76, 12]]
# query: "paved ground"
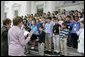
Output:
[[71, 52]]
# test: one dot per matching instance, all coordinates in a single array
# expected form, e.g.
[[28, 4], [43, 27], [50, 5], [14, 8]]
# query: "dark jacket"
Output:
[[42, 37], [4, 41], [68, 25], [56, 29]]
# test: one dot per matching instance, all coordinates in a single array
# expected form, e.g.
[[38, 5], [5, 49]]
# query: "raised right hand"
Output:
[[30, 34]]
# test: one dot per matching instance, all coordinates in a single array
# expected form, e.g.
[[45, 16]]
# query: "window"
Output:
[[40, 9], [73, 1], [68, 2], [16, 13]]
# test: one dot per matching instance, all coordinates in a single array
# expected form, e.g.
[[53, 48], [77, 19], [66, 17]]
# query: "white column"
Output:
[[45, 7], [28, 7], [10, 12], [33, 7], [2, 12], [23, 8], [51, 6]]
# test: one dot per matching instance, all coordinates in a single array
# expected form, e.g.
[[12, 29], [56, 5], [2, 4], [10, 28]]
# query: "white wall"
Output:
[[72, 6], [16, 5], [30, 7], [2, 12], [76, 7]]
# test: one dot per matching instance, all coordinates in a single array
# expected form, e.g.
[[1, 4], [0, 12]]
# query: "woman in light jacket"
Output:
[[16, 39], [81, 39]]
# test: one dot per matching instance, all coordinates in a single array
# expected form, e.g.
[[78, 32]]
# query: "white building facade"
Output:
[[2, 12], [22, 8]]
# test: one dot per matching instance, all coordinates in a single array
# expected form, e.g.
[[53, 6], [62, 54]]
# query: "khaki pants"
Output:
[[48, 42], [41, 49], [26, 49], [63, 45], [56, 42]]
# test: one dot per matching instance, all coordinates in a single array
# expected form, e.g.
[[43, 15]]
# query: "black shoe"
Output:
[[75, 47], [45, 50], [69, 46], [57, 53], [48, 52], [32, 49], [54, 52], [61, 55]]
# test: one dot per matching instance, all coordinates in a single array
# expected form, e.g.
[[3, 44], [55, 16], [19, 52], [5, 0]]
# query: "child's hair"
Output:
[[82, 22], [76, 10], [76, 18], [26, 28], [53, 17], [17, 20], [49, 18], [41, 26], [6, 21], [68, 16], [56, 19], [64, 24]]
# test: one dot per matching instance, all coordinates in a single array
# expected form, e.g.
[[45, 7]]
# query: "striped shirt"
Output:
[[63, 33]]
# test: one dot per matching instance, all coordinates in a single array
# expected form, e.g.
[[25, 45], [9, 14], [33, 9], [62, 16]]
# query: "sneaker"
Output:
[[56, 51], [32, 48]]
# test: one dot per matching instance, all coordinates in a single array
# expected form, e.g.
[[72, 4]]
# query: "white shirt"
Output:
[[81, 40]]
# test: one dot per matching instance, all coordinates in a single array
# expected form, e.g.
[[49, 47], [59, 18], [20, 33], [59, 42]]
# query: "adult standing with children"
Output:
[[16, 39]]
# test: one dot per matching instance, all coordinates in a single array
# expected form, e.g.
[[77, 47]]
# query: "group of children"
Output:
[[60, 29]]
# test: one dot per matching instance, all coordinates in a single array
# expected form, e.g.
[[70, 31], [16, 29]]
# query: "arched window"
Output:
[[68, 2], [16, 8]]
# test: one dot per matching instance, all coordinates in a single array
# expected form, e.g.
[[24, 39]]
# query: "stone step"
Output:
[[37, 53], [71, 51], [47, 54]]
